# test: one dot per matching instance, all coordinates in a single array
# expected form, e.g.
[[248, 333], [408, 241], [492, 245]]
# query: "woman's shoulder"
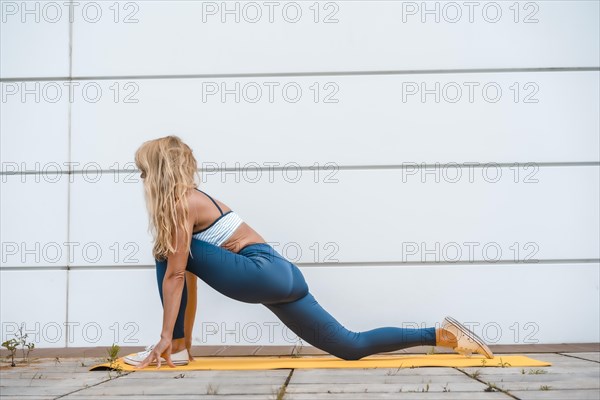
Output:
[[204, 201]]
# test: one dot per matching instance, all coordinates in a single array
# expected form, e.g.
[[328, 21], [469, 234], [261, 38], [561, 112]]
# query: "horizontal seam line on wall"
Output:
[[334, 264], [328, 166], [307, 74]]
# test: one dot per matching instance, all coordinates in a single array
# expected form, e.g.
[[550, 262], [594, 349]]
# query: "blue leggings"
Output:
[[259, 274]]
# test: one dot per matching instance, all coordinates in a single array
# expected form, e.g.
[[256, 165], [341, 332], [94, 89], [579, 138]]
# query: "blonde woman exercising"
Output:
[[196, 235]]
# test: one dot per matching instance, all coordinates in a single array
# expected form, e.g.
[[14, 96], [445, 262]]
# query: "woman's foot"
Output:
[[461, 339]]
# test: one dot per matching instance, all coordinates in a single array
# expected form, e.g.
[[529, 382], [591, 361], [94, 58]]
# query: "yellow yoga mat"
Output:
[[400, 361]]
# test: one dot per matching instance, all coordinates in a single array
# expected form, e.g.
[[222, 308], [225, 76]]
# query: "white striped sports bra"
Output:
[[221, 229]]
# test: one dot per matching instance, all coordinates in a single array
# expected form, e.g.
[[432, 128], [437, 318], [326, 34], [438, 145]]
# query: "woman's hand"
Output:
[[162, 348]]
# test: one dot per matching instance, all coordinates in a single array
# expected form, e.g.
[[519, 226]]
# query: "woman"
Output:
[[199, 236]]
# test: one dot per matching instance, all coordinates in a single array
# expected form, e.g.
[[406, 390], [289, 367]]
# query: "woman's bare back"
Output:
[[203, 212]]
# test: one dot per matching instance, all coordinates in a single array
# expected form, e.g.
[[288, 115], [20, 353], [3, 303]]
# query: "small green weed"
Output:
[[112, 357], [297, 349], [12, 345], [537, 372], [392, 372], [279, 393], [503, 364], [491, 388], [475, 375], [210, 389]]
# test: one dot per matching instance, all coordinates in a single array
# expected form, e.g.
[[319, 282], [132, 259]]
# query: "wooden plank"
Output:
[[364, 388], [575, 394], [403, 395], [592, 356]]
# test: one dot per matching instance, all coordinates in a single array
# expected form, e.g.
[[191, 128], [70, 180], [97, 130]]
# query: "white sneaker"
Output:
[[468, 342], [179, 358]]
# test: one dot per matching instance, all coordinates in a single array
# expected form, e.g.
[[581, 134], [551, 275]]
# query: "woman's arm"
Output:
[[173, 283], [174, 280], [190, 310]]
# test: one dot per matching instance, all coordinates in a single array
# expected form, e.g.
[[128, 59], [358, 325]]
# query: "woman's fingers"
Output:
[[166, 356], [169, 361], [146, 361], [155, 355]]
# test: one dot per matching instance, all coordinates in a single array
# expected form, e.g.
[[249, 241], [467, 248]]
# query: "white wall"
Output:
[[329, 150]]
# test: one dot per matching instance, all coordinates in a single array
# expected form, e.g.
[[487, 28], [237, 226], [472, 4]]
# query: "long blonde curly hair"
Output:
[[169, 170]]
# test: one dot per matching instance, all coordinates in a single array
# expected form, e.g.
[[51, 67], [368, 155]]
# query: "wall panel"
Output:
[[34, 213], [362, 298], [344, 138], [34, 128], [34, 39], [370, 124], [186, 37], [371, 216], [36, 301]]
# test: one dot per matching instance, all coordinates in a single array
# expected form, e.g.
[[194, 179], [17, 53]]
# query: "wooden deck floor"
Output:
[[573, 375]]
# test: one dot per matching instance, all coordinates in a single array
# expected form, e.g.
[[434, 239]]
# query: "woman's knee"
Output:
[[351, 356], [347, 353], [343, 343]]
